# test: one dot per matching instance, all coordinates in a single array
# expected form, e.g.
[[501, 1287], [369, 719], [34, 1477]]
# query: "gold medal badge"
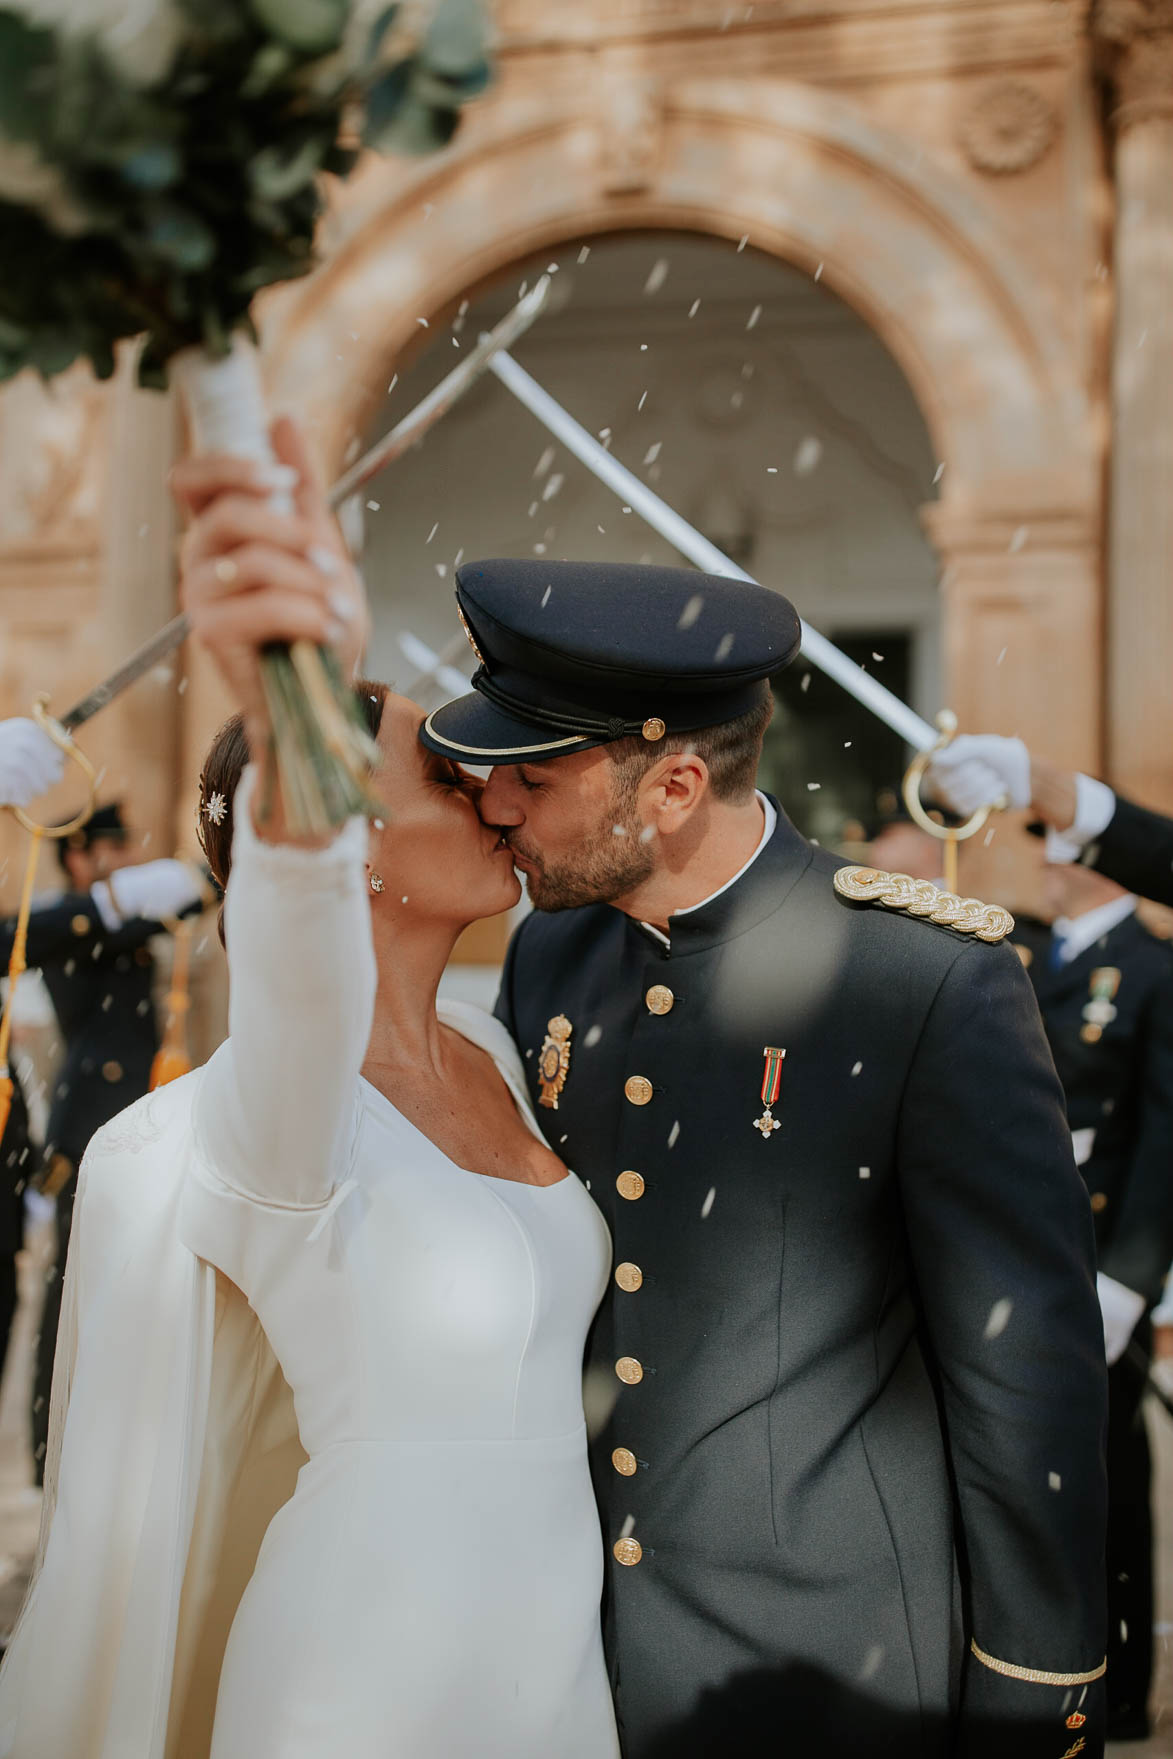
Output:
[[554, 1060], [1100, 1010]]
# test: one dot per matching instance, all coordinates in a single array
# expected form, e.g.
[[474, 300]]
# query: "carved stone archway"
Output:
[[804, 175]]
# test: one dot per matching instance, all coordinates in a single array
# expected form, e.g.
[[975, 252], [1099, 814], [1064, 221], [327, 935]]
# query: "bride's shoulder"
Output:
[[482, 1029], [147, 1120]]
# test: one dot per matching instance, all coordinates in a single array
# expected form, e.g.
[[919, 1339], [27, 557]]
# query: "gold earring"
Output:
[[377, 882]]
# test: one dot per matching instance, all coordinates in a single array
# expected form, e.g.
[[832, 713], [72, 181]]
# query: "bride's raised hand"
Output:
[[251, 574]]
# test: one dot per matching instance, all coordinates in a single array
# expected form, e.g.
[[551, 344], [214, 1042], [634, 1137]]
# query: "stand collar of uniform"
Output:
[[1078, 933], [753, 893]]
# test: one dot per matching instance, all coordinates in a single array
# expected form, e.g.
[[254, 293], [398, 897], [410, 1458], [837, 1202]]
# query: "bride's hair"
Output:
[[227, 756]]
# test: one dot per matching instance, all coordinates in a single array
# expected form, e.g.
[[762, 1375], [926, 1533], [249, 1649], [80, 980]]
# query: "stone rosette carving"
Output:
[[1007, 127]]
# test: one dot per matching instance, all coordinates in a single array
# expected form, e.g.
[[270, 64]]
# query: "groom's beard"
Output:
[[607, 863]]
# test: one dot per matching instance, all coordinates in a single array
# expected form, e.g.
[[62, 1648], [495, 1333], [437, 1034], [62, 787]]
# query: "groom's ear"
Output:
[[672, 790]]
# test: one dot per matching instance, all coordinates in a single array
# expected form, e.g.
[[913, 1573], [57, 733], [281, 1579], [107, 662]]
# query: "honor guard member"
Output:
[[852, 1484], [1105, 991], [90, 944], [1084, 820]]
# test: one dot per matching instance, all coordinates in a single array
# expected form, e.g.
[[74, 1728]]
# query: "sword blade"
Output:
[[402, 437]]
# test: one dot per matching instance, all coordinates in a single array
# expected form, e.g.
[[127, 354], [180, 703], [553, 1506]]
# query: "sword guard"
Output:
[[59, 736], [914, 775]]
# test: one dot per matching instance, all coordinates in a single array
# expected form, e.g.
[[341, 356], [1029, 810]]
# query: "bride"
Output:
[[343, 1251]]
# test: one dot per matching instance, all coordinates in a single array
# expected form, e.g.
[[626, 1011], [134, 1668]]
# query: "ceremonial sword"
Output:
[[393, 445]]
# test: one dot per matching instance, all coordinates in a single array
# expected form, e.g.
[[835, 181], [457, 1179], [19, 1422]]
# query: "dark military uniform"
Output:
[[854, 1355], [1136, 850], [852, 1486], [100, 984], [17, 1162], [1117, 1074]]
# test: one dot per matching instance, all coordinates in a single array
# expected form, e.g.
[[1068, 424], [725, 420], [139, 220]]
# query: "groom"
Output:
[[852, 1483]]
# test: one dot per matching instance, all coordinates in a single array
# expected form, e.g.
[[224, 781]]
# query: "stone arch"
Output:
[[807, 176]]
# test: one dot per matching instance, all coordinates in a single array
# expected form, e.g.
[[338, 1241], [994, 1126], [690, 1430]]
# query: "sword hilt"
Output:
[[60, 737]]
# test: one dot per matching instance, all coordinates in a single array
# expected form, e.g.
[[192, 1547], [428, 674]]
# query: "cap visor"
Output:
[[474, 730]]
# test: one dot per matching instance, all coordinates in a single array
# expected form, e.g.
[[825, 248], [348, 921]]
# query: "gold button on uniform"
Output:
[[80, 924], [629, 1370], [624, 1461], [112, 1071], [630, 1185], [660, 999], [638, 1089], [627, 1551], [1099, 1201], [654, 729], [629, 1277]]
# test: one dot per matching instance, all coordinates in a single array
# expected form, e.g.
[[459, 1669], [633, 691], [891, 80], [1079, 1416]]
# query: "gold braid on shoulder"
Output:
[[899, 891]]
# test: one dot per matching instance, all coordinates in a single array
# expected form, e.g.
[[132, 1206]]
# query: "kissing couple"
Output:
[[788, 1165]]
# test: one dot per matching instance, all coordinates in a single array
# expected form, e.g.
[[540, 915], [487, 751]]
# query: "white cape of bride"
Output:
[[172, 1444]]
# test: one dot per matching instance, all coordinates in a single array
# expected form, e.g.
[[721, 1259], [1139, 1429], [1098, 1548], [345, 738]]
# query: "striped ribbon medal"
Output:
[[771, 1087]]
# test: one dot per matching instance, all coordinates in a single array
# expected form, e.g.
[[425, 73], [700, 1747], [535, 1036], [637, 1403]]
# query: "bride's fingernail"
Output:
[[341, 605], [324, 560]]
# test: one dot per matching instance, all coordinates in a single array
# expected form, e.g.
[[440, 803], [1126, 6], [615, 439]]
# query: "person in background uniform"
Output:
[[17, 1160], [90, 944], [1105, 990], [1085, 820], [852, 1481]]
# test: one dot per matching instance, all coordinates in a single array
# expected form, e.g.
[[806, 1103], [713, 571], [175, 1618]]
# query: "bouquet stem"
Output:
[[322, 751]]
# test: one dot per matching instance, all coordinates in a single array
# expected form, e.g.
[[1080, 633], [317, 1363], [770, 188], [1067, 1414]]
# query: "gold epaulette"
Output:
[[899, 891]]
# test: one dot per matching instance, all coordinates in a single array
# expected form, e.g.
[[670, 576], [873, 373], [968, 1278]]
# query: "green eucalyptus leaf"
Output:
[[27, 55], [312, 27], [276, 172], [180, 237], [456, 41], [270, 63], [379, 30], [154, 165], [417, 128]]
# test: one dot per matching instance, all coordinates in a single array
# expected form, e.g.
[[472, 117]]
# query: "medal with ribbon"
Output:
[[771, 1087]]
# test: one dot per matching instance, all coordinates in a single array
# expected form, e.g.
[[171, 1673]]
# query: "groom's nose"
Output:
[[501, 799]]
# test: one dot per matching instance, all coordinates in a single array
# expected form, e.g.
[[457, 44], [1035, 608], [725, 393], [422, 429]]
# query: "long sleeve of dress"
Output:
[[276, 1106]]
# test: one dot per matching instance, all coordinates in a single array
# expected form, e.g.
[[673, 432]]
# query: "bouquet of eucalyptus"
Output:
[[160, 163]]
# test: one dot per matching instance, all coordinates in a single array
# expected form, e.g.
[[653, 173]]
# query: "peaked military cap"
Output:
[[577, 654]]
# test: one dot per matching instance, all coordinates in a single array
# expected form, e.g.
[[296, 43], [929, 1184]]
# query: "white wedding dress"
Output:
[[431, 1588]]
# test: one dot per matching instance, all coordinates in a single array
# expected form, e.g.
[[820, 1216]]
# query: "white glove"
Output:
[[153, 890], [30, 763], [978, 769], [1121, 1308]]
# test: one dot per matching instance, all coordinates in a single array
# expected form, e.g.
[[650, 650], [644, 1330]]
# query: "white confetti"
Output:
[[1001, 656], [643, 397], [373, 506], [807, 455], [999, 1317], [865, 1172], [584, 253], [553, 484], [691, 611], [593, 1036], [1019, 539], [549, 589], [653, 452], [813, 787], [751, 321], [674, 1134], [422, 322], [856, 1067], [618, 830], [1054, 1481], [707, 1205], [938, 473], [743, 241], [628, 1528], [544, 462], [724, 647], [819, 273], [872, 1661]]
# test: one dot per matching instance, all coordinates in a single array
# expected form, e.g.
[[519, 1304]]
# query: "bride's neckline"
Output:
[[451, 1015]]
